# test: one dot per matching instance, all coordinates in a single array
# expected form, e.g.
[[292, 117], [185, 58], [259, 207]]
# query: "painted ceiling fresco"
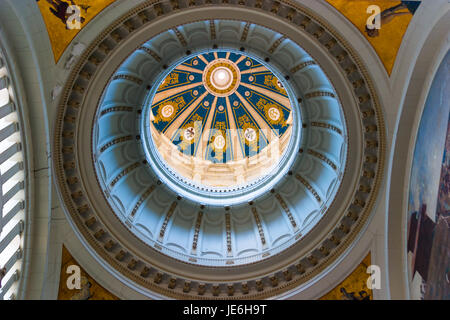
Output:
[[89, 288], [60, 18], [428, 245], [354, 287], [207, 97], [221, 118], [395, 19]]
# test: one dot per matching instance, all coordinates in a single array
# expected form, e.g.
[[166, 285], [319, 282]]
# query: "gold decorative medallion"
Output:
[[221, 77]]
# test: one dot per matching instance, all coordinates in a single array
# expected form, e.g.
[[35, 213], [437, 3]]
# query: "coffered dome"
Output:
[[215, 130], [218, 150]]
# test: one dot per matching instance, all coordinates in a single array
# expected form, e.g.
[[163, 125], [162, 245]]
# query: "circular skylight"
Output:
[[218, 125]]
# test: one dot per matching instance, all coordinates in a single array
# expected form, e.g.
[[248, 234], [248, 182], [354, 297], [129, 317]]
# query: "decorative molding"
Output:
[[245, 32], [151, 53], [323, 158], [286, 210], [319, 94], [114, 142], [276, 44], [228, 232], [198, 224], [124, 173], [326, 126], [180, 37], [141, 200], [309, 187], [129, 78], [302, 66], [116, 109], [166, 221], [259, 225]]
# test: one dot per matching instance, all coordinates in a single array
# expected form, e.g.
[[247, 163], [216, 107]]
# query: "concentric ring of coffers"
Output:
[[204, 234]]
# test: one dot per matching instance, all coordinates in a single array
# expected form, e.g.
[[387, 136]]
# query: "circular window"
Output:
[[218, 126]]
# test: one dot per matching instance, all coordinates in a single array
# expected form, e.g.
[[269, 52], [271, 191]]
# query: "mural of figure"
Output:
[[428, 246], [60, 10], [85, 291], [389, 14], [363, 295]]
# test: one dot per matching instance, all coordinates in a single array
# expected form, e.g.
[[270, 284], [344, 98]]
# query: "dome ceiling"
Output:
[[190, 113], [227, 114], [190, 234]]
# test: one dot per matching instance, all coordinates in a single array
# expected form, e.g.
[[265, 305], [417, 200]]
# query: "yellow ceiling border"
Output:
[[58, 18], [396, 19]]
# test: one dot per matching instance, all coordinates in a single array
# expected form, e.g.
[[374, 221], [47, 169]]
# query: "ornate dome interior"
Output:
[[218, 150], [223, 149], [227, 115]]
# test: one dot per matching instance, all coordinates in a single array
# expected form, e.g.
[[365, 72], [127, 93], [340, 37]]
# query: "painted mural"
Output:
[[394, 18], [354, 287], [61, 17], [89, 288], [428, 243]]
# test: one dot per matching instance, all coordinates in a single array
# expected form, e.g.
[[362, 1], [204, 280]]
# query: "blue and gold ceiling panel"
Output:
[[169, 109], [219, 148], [251, 134], [179, 78], [221, 106], [267, 80], [246, 63], [187, 138], [273, 112]]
